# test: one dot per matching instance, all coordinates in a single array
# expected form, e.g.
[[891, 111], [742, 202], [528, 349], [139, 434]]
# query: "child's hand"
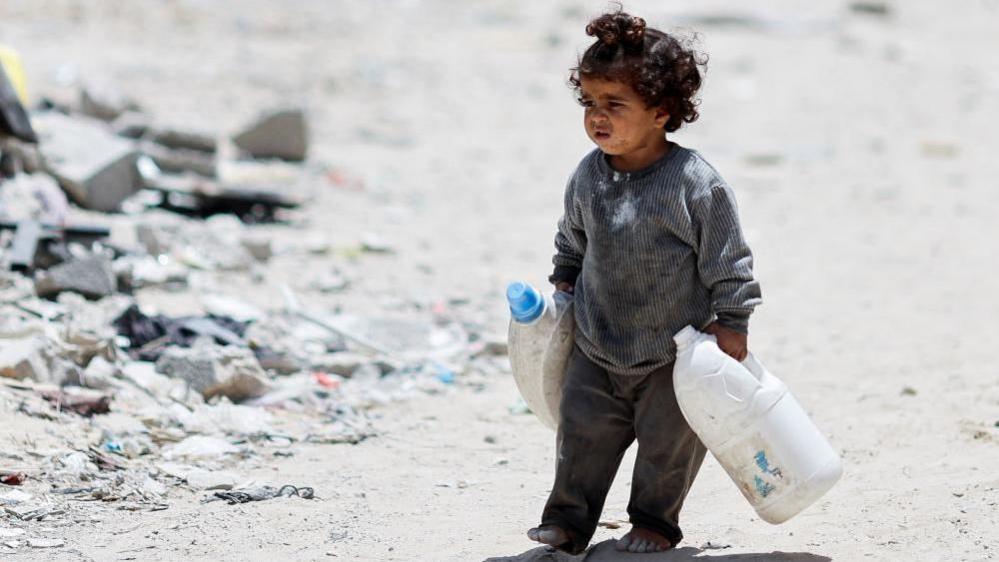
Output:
[[564, 286], [730, 341]]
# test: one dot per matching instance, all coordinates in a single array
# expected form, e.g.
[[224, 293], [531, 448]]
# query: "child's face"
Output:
[[617, 119]]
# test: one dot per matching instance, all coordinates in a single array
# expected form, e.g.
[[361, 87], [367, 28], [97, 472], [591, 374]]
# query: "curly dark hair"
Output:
[[662, 69]]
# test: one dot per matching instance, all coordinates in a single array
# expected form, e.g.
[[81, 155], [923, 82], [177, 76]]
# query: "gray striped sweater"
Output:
[[650, 252]]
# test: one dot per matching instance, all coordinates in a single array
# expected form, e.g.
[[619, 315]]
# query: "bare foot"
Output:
[[643, 540], [548, 534]]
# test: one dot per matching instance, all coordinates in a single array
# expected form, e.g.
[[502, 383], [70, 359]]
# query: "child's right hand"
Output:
[[564, 286]]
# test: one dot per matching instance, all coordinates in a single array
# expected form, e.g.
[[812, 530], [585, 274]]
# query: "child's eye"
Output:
[[585, 102]]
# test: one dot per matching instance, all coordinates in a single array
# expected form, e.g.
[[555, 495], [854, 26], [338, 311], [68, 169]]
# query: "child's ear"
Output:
[[662, 116]]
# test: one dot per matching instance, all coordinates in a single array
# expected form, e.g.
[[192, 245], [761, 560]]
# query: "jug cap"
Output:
[[526, 303]]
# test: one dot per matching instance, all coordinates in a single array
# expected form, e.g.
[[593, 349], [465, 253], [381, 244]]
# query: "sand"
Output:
[[861, 149]]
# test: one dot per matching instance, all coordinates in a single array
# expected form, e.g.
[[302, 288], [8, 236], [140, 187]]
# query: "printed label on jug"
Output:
[[753, 466]]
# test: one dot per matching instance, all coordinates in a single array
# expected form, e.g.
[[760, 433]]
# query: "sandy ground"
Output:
[[862, 152]]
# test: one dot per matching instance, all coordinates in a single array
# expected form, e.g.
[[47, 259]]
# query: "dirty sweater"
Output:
[[650, 252]]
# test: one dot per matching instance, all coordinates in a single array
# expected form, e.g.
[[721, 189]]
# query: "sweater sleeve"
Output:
[[570, 240], [724, 261]]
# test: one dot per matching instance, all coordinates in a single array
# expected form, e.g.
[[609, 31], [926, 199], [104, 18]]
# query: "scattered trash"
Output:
[[82, 401], [716, 545], [12, 478], [261, 493]]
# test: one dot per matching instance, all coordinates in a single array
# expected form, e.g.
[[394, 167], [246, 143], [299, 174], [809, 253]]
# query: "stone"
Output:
[[152, 238], [224, 305], [281, 134], [177, 138], [23, 358], [103, 101], [258, 246], [33, 197], [93, 277], [180, 160], [213, 370], [96, 168], [344, 363], [99, 374]]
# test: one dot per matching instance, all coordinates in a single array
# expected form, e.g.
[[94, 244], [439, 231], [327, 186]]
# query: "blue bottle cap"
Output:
[[526, 303]]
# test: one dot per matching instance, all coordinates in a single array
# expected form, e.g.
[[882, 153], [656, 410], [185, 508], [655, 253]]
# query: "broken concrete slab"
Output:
[[281, 134], [92, 276], [177, 138], [215, 371], [102, 100], [94, 167], [23, 358], [181, 160]]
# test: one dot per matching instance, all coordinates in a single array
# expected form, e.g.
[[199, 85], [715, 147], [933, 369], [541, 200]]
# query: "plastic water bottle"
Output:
[[540, 342], [754, 427]]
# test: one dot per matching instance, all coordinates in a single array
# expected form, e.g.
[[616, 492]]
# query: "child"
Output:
[[649, 243]]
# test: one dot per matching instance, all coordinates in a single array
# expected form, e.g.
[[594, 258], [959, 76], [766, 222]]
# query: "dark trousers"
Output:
[[601, 415]]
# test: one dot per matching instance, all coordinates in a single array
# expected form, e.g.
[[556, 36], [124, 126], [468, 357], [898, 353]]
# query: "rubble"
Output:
[[95, 168], [214, 370], [280, 134], [153, 344], [92, 277], [102, 100]]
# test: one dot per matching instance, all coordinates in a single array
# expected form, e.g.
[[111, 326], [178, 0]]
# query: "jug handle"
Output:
[[754, 366]]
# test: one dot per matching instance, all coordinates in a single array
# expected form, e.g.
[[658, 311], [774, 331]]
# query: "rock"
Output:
[[211, 480], [258, 246], [33, 197], [212, 370], [8, 533], [199, 447], [154, 239], [103, 101], [99, 374], [23, 358], [343, 363], [94, 167], [93, 277], [180, 160], [177, 138], [232, 307], [281, 134], [132, 125]]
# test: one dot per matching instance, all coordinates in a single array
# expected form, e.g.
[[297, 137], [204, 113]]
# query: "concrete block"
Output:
[[96, 168], [281, 134], [212, 370], [93, 277], [22, 358]]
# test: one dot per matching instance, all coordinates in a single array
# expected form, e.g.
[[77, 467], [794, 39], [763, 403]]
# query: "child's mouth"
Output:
[[600, 135]]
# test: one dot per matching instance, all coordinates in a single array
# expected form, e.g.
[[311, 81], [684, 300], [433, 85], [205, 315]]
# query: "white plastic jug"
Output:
[[754, 427], [540, 341]]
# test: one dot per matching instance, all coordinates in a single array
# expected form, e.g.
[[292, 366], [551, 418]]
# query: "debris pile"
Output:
[[125, 337]]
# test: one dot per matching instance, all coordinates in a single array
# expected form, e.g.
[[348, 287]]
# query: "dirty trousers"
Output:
[[601, 415]]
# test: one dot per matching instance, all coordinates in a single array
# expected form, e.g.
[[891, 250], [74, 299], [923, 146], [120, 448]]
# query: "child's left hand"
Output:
[[730, 341]]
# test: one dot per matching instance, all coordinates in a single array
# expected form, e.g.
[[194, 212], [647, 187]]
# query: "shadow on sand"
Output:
[[605, 552]]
